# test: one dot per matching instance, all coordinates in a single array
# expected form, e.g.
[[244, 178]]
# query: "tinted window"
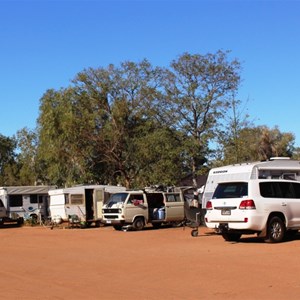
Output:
[[279, 189], [15, 200], [231, 190]]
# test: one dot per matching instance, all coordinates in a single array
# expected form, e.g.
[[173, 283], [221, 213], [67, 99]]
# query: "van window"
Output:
[[15, 200], [280, 189], [173, 198], [231, 190]]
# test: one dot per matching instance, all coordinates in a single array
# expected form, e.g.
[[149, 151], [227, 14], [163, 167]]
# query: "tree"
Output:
[[8, 169], [197, 92], [257, 143], [27, 158], [124, 100]]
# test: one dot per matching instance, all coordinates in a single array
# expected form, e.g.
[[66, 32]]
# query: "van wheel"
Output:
[[275, 230], [194, 233], [231, 237], [138, 224]]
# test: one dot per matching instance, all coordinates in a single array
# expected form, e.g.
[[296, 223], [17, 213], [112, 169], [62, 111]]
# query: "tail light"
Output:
[[247, 204], [209, 205]]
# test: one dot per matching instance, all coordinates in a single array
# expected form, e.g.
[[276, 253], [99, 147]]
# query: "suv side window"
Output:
[[279, 189]]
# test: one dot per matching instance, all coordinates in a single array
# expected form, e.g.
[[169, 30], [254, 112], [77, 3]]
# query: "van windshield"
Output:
[[117, 198], [231, 190]]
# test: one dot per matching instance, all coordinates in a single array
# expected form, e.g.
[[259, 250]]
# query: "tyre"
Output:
[[138, 224], [275, 230], [231, 236], [194, 232]]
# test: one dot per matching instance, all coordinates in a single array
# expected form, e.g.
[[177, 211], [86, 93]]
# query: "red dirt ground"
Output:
[[101, 263]]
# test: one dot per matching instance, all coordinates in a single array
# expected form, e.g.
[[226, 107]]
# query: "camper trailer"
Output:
[[26, 201], [83, 202], [275, 168]]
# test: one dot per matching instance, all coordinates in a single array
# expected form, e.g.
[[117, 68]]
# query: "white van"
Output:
[[269, 208], [136, 209], [84, 201], [275, 168]]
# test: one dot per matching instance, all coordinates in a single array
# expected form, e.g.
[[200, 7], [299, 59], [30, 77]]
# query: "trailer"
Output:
[[26, 201], [80, 204], [275, 168]]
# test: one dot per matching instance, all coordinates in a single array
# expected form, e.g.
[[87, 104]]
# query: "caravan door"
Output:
[[174, 207], [99, 198]]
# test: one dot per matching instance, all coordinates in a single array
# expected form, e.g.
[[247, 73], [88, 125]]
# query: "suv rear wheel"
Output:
[[275, 231]]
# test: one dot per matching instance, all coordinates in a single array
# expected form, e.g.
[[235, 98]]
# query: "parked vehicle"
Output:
[[135, 209], [80, 203], [26, 201], [268, 207], [6, 220], [275, 168]]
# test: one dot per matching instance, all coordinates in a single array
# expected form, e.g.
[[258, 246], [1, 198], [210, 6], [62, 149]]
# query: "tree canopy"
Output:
[[137, 125]]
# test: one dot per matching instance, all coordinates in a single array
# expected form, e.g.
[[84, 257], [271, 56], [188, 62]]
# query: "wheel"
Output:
[[275, 230], [138, 224], [231, 236], [194, 232], [118, 227]]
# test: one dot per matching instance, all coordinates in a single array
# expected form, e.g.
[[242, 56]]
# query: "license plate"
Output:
[[108, 221], [226, 212]]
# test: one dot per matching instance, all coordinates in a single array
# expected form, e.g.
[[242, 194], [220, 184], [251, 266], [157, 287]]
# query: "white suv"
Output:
[[269, 208]]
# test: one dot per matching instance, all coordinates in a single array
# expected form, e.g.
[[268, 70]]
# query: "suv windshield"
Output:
[[117, 198], [231, 190]]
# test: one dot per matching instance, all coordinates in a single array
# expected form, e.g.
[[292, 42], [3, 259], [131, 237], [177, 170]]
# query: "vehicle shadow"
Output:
[[255, 239]]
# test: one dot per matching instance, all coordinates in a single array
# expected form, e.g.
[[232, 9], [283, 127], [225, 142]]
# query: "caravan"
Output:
[[83, 202], [26, 201], [275, 168]]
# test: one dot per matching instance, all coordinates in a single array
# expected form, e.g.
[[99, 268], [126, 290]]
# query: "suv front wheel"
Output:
[[275, 230]]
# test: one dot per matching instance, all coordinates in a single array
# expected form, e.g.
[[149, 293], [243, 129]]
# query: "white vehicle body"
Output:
[[84, 201], [26, 201], [135, 209], [275, 168], [251, 206]]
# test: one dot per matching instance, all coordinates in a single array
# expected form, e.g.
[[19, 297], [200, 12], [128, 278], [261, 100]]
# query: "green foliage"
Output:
[[139, 125]]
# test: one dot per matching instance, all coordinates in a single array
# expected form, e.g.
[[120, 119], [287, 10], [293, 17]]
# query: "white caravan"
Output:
[[26, 201], [275, 168], [83, 202]]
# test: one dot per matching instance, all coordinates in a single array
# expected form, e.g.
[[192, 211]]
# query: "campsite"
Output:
[[102, 263]]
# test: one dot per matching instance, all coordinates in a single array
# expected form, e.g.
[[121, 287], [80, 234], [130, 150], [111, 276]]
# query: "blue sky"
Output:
[[44, 44]]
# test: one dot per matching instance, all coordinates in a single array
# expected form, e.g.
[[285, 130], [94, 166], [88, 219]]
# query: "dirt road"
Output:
[[101, 263]]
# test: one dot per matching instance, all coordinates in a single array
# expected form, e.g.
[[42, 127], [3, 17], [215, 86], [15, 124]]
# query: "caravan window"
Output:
[[76, 199], [15, 200]]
